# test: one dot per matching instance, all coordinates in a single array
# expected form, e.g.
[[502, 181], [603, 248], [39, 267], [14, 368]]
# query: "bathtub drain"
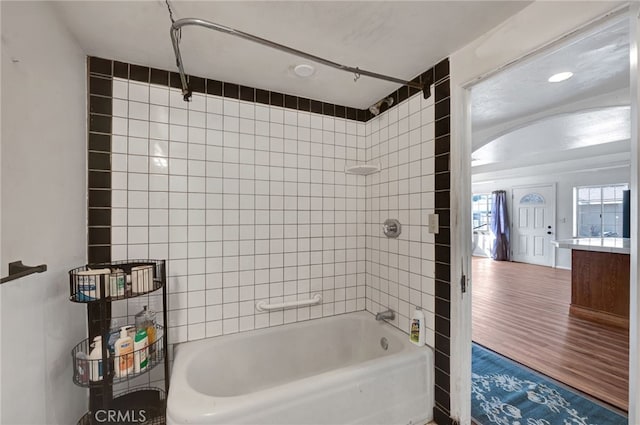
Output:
[[384, 343]]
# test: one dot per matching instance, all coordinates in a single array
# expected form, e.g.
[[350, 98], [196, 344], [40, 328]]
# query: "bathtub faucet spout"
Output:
[[386, 315]]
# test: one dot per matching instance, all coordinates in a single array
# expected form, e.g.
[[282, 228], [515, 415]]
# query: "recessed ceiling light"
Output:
[[304, 70], [561, 76]]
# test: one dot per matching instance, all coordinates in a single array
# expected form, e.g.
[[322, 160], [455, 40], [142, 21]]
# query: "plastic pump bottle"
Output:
[[95, 360], [124, 353], [417, 331]]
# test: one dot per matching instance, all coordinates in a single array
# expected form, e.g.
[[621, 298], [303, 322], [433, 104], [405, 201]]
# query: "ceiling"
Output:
[[520, 120], [401, 39], [559, 133]]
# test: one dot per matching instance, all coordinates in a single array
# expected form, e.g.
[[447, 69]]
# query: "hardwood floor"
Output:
[[522, 312]]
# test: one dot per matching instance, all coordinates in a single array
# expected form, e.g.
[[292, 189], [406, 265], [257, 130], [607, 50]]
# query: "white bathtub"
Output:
[[329, 371]]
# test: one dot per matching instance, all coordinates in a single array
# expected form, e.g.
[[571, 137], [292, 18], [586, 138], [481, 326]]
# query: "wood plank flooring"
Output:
[[522, 312]]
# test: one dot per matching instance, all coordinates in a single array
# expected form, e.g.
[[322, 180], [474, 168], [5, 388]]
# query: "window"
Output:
[[481, 211], [532, 199], [598, 211]]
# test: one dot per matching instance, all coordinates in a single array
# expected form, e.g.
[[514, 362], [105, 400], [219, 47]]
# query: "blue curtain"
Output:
[[499, 226]]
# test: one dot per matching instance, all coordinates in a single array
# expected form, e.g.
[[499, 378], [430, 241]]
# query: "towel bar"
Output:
[[18, 270]]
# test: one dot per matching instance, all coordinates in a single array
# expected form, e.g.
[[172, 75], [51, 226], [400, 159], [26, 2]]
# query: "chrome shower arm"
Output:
[[186, 92]]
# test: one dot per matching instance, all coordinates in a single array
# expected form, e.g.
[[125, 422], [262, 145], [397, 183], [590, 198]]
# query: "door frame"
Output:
[[554, 187], [536, 28], [634, 328]]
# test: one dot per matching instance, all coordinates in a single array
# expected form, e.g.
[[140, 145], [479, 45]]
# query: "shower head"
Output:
[[381, 106]]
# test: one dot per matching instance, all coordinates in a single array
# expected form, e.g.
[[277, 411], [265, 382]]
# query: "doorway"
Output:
[[534, 147], [538, 27]]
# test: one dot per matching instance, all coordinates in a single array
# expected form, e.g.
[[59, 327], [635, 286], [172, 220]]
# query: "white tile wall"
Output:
[[400, 272], [246, 201]]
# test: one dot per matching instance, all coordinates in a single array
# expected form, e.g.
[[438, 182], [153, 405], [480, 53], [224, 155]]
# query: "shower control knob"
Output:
[[392, 228]]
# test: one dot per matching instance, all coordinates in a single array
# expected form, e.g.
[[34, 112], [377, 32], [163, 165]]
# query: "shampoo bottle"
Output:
[[416, 333], [124, 353], [95, 360], [141, 351]]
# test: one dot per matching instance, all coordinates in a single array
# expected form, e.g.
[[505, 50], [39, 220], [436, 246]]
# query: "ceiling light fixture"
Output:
[[560, 76], [304, 70]]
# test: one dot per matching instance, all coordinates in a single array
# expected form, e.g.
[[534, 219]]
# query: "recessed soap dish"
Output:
[[363, 169]]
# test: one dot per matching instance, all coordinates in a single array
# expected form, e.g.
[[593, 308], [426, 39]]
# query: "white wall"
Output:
[[534, 27], [564, 197], [401, 272], [248, 202], [43, 215]]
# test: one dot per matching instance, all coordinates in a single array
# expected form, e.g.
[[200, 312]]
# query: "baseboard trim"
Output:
[[598, 316]]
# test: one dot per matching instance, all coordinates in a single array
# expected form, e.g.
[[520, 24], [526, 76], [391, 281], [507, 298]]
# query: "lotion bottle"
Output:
[[417, 328], [124, 353]]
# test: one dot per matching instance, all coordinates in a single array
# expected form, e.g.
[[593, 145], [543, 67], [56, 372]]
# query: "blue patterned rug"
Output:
[[506, 393]]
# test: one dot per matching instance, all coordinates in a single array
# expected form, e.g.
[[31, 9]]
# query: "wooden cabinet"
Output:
[[600, 287]]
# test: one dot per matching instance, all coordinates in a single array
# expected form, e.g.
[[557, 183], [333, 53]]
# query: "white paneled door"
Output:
[[533, 224]]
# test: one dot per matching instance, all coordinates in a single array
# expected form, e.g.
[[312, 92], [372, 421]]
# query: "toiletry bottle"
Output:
[[141, 318], [146, 320], [88, 284], [82, 368], [127, 287], [151, 331], [417, 330], [95, 359], [117, 282], [141, 279], [141, 351], [114, 334], [124, 353]]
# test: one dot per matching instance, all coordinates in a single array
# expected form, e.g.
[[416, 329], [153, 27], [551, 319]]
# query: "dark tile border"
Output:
[[103, 70], [99, 110], [442, 410], [106, 69]]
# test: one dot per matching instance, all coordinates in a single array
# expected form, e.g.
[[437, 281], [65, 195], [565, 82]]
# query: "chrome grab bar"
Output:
[[265, 306]]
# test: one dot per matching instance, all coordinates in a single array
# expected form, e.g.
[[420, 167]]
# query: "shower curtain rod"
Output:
[[186, 91]]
